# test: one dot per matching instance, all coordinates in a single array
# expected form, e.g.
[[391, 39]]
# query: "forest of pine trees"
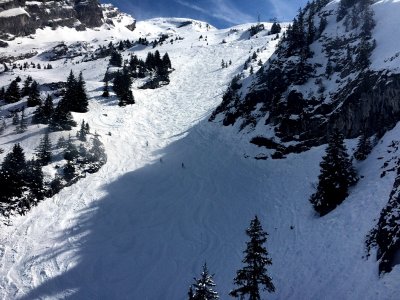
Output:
[[22, 180], [155, 67], [74, 99]]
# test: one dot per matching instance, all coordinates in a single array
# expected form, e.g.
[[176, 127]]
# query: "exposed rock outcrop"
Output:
[[318, 80], [20, 17]]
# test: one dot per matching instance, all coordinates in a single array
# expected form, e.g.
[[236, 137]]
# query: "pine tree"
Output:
[[253, 276], [275, 28], [33, 95], [83, 154], [70, 152], [15, 119], [75, 97], [167, 61], [106, 93], [43, 151], [203, 288], [121, 46], [81, 100], [34, 181], [70, 94], [96, 155], [2, 93], [69, 171], [47, 109], [13, 93], [122, 87], [87, 128], [44, 112], [61, 143], [82, 132], [27, 86], [3, 126], [23, 123], [337, 175], [62, 118], [364, 148], [116, 59], [12, 175]]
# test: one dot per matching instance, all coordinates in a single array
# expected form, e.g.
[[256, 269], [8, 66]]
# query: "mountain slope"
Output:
[[143, 225], [336, 67]]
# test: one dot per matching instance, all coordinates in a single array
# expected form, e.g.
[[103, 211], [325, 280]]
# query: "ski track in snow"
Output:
[[141, 228]]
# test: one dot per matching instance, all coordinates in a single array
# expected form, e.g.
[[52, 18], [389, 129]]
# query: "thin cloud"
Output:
[[221, 10], [283, 9]]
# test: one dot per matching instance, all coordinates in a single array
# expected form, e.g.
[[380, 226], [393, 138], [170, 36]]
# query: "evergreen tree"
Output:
[[15, 119], [87, 128], [33, 95], [253, 276], [43, 151], [116, 59], [12, 93], [83, 155], [3, 126], [62, 118], [44, 112], [2, 93], [81, 100], [75, 97], [121, 46], [275, 28], [61, 143], [27, 86], [203, 288], [337, 175], [364, 148], [69, 171], [12, 175], [106, 93], [70, 94], [96, 155], [82, 132], [34, 180], [23, 123], [122, 87], [166, 61], [70, 152], [149, 63]]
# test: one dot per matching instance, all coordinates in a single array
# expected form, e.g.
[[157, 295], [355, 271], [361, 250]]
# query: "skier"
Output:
[[183, 165]]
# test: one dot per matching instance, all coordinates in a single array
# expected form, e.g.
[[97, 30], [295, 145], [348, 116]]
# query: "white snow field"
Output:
[[142, 227]]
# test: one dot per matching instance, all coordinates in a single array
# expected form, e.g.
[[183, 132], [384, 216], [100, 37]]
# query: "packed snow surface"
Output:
[[12, 12], [178, 191]]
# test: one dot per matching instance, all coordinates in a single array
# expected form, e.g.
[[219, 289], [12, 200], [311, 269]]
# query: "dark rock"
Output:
[[3, 44], [25, 17]]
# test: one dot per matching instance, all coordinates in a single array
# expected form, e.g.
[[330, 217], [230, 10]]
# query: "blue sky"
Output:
[[220, 13]]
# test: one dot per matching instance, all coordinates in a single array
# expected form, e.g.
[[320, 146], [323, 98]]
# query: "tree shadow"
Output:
[[155, 227]]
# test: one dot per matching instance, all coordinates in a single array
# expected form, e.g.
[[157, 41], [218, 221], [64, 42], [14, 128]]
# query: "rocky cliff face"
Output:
[[20, 17], [320, 78]]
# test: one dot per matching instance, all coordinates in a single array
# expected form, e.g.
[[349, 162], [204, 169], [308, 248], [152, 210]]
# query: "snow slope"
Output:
[[142, 226]]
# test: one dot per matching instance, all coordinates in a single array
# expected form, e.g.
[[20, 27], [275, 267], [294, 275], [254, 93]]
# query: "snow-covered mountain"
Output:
[[337, 67], [20, 18], [178, 190]]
